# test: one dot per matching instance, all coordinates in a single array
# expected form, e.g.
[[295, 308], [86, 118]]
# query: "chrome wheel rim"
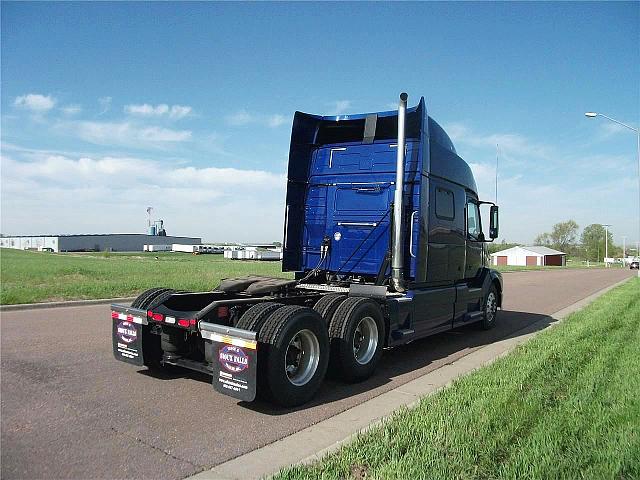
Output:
[[302, 357], [492, 306], [365, 340]]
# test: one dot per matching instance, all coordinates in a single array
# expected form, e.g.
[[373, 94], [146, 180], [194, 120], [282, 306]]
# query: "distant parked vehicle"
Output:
[[635, 265]]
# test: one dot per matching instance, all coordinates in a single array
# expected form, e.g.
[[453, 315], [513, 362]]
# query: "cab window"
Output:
[[473, 221]]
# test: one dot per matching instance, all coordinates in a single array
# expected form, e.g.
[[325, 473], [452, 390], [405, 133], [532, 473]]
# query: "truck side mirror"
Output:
[[493, 222]]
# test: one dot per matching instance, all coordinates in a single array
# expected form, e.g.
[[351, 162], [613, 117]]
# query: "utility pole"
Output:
[[606, 244], [624, 249]]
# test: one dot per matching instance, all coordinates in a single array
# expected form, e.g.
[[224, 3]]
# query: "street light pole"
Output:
[[595, 114], [606, 244]]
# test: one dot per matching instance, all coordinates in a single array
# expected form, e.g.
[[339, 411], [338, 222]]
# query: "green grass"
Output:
[[564, 405], [570, 264], [28, 277]]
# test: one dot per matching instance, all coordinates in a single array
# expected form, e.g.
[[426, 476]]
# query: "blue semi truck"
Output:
[[384, 233]]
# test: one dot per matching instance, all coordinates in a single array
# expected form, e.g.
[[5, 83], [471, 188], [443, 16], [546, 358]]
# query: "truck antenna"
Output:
[[496, 173]]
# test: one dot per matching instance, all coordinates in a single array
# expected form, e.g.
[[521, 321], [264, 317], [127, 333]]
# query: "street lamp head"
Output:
[[591, 114]]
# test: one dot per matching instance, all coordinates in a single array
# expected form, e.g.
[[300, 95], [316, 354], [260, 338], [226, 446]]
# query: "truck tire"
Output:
[[256, 315], [357, 337], [327, 306], [490, 309], [295, 347], [159, 298], [142, 299], [152, 344]]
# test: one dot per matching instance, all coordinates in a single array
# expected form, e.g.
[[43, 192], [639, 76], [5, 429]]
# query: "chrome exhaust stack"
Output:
[[397, 249]]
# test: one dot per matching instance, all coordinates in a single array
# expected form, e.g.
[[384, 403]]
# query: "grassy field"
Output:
[[519, 268], [27, 277], [564, 405]]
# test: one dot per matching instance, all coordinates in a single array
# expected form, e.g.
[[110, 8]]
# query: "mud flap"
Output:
[[234, 360], [126, 334]]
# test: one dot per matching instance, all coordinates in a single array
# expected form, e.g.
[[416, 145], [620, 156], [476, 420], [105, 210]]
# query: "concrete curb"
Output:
[[72, 303], [316, 441]]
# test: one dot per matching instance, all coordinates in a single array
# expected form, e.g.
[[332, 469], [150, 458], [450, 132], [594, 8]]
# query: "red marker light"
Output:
[[183, 322], [149, 313], [158, 317], [114, 314], [192, 322]]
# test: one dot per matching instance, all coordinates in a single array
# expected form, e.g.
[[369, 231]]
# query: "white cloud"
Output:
[[58, 194], [35, 102], [240, 118], [145, 110], [339, 107], [609, 130], [276, 120], [72, 109], [511, 145], [105, 104], [180, 111], [243, 117], [125, 133]]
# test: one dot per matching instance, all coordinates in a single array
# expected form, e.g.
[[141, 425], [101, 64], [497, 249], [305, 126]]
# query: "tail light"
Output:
[[115, 315], [158, 317], [187, 322]]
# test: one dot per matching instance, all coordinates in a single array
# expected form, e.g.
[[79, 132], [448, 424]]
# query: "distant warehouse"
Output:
[[115, 242], [536, 256]]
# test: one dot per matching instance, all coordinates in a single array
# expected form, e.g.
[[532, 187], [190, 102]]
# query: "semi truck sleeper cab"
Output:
[[384, 233]]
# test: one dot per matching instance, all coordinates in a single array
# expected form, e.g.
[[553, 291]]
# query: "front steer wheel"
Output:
[[357, 338], [295, 347], [490, 309]]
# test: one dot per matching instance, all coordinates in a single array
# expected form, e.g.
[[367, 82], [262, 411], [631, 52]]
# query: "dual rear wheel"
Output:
[[153, 345], [300, 344], [294, 351], [357, 330]]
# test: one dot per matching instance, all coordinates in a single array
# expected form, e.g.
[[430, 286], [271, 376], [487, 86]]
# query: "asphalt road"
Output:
[[70, 410]]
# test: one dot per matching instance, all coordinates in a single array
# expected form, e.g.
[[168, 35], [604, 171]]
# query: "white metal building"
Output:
[[529, 256], [115, 242]]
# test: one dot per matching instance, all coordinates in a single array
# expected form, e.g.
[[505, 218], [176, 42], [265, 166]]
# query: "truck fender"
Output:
[[490, 277]]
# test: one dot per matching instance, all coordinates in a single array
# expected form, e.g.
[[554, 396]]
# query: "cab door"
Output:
[[474, 238]]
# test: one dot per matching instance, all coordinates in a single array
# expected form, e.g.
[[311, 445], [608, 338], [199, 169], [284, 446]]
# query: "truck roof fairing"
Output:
[[439, 156]]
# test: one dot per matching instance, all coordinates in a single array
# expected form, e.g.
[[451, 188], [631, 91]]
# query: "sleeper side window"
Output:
[[445, 204]]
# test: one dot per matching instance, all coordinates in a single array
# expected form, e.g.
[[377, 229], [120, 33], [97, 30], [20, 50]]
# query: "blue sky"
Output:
[[110, 108]]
